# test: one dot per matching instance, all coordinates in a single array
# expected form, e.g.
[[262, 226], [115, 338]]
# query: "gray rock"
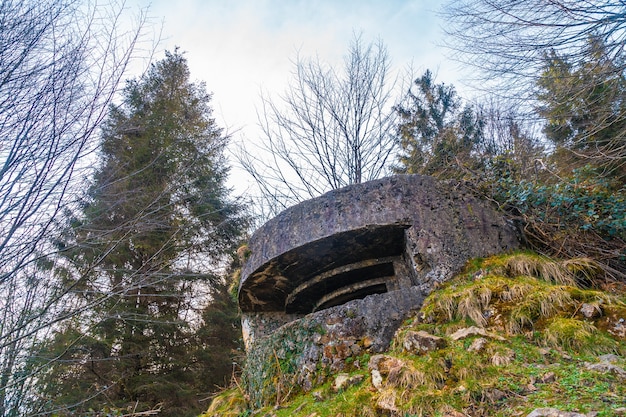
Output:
[[343, 381], [553, 412], [387, 402], [590, 310], [609, 357], [422, 342], [548, 378], [377, 379], [477, 345], [384, 363], [606, 367], [473, 331]]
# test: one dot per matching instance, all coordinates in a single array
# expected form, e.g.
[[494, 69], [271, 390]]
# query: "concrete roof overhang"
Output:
[[344, 244], [329, 249], [298, 280]]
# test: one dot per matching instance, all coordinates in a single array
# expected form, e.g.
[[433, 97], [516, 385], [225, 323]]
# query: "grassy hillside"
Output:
[[510, 334]]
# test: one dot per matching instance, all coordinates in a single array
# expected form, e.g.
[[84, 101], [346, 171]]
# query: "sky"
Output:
[[241, 48]]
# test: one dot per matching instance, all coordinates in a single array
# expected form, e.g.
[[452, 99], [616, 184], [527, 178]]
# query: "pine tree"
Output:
[[155, 227], [584, 106], [436, 137]]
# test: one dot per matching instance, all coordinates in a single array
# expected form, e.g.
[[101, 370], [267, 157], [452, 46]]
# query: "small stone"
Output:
[[377, 379], [609, 358], [340, 382], [606, 367], [384, 363], [553, 412], [374, 360], [590, 311], [495, 395], [620, 411], [421, 342], [477, 345], [317, 395], [343, 381], [473, 331], [387, 401], [619, 329], [306, 384], [479, 274]]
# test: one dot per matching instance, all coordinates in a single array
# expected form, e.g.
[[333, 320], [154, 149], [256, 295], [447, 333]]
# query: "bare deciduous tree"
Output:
[[508, 39], [61, 63], [563, 62], [568, 55], [329, 130]]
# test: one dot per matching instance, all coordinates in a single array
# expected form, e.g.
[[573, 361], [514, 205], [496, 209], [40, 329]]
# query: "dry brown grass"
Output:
[[472, 303], [501, 356], [229, 403], [573, 272], [406, 377], [541, 302]]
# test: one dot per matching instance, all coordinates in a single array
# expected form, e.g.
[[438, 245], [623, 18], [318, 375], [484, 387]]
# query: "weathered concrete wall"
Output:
[[324, 343]]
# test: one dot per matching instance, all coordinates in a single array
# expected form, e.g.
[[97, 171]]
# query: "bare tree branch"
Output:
[[507, 40], [61, 63], [327, 131]]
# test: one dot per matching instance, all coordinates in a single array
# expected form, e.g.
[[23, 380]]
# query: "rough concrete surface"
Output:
[[334, 277], [370, 238]]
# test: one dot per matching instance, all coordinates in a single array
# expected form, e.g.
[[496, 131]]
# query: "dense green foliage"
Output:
[[584, 108], [577, 207], [143, 257]]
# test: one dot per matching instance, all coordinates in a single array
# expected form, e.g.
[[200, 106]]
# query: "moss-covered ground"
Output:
[[545, 322]]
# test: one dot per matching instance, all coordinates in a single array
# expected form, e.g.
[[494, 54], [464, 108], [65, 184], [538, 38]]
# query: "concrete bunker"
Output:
[[379, 237]]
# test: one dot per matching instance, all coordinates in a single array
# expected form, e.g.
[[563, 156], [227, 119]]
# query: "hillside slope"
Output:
[[513, 335]]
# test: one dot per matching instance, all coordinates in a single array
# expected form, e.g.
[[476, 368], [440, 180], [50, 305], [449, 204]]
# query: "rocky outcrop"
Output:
[[324, 343]]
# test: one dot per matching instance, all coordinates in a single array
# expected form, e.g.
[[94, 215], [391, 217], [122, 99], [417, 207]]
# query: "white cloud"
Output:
[[239, 47]]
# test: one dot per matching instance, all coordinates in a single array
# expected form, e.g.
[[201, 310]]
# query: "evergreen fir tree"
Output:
[[584, 106], [436, 137], [154, 231]]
